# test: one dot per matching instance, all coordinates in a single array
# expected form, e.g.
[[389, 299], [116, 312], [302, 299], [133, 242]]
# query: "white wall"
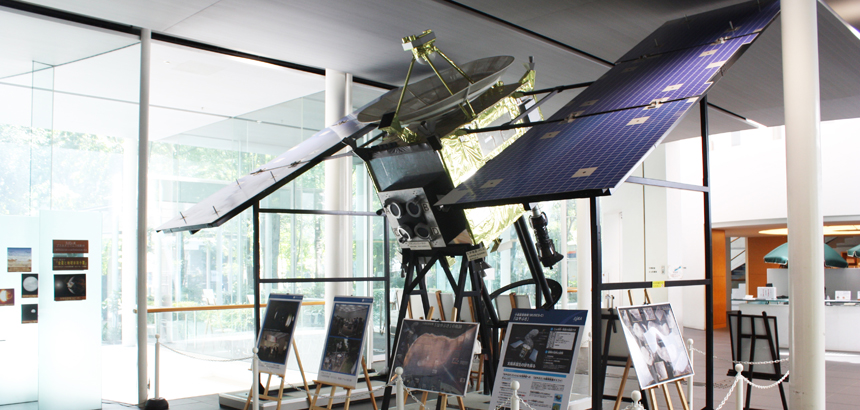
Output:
[[748, 174]]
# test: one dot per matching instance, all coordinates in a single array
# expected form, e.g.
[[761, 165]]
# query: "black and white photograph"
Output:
[[656, 346], [341, 355], [70, 287], [436, 356], [349, 320]]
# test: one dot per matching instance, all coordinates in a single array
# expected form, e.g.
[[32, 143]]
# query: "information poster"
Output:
[[655, 343], [341, 360], [539, 352], [19, 260], [436, 356], [276, 333]]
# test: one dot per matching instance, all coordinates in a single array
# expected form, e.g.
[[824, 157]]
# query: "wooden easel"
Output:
[[652, 397], [283, 377], [346, 388]]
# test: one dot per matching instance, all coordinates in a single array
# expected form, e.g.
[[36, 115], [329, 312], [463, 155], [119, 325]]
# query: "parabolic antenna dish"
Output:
[[428, 98]]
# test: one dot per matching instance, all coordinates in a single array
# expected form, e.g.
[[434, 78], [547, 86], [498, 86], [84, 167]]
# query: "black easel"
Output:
[[755, 330]]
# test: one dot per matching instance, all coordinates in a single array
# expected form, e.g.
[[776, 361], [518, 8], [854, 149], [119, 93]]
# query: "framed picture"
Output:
[[70, 287], [276, 333], [345, 340], [436, 356], [656, 346], [30, 285], [19, 260]]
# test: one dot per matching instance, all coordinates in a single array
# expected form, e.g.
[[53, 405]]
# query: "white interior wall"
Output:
[[748, 173]]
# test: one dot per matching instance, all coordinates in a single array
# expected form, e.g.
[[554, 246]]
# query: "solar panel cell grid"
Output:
[[683, 74], [592, 153], [705, 28]]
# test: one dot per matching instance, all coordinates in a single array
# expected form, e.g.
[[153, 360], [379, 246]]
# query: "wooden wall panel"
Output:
[[718, 250], [757, 248]]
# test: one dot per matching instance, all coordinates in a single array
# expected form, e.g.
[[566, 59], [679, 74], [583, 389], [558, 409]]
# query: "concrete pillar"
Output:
[[337, 194], [805, 222]]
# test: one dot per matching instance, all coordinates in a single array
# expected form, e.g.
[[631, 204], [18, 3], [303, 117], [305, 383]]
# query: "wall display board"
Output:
[[19, 260], [539, 352], [276, 333], [436, 356], [344, 344], [19, 340], [656, 346], [30, 285], [75, 308]]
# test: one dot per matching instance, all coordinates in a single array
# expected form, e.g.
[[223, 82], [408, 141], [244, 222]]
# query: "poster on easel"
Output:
[[656, 346], [436, 356], [276, 333], [341, 357], [539, 351]]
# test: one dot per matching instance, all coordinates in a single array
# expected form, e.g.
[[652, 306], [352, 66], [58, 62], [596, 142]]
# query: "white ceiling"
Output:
[[362, 37]]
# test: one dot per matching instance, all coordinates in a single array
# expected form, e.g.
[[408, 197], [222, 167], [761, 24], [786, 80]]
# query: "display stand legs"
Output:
[[280, 396]]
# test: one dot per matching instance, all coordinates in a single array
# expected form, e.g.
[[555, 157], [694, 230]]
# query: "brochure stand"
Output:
[[283, 377]]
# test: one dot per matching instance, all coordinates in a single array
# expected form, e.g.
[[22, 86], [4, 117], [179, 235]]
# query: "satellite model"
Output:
[[453, 164]]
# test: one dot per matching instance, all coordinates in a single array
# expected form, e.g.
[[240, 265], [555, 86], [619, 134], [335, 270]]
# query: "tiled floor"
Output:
[[842, 381]]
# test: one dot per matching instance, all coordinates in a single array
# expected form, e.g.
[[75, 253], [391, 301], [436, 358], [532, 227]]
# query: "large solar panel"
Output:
[[589, 156], [241, 194], [706, 28], [605, 132]]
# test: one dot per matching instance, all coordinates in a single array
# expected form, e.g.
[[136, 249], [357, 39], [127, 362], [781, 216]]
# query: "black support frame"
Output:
[[597, 285]]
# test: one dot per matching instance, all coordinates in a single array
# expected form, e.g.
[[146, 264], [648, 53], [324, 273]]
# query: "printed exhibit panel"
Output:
[[539, 352], [19, 332], [436, 356], [276, 333], [656, 346], [69, 304], [341, 358]]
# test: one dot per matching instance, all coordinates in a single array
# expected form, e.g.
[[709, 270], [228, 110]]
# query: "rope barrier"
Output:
[[207, 359], [741, 361]]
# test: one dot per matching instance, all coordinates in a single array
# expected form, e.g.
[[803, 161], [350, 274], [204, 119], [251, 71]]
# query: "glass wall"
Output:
[[68, 134]]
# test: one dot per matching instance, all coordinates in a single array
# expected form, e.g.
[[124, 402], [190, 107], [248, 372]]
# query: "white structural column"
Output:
[[803, 177], [337, 194], [142, 180]]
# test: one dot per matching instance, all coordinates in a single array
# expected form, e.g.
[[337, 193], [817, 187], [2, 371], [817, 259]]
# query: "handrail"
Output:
[[219, 307], [571, 290]]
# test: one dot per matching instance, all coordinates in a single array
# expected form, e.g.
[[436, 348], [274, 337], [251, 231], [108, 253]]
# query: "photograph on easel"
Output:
[[656, 346], [436, 356], [276, 333], [341, 357]]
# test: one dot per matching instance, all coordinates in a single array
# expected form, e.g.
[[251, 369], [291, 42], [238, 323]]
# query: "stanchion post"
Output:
[[590, 363], [636, 396], [739, 387], [690, 381], [255, 389], [157, 362], [401, 392], [515, 398]]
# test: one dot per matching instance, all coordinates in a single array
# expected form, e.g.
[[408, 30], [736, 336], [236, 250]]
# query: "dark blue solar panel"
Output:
[[682, 74], [589, 154], [706, 28], [612, 133]]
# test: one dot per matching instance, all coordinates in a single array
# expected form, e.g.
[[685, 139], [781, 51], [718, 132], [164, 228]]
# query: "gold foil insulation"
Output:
[[462, 155]]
